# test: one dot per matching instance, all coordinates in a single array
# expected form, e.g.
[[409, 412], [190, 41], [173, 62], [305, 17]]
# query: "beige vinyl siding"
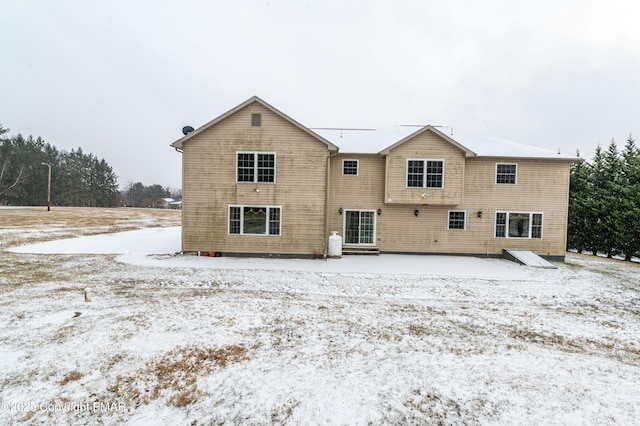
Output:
[[209, 185], [425, 146], [542, 187], [349, 192]]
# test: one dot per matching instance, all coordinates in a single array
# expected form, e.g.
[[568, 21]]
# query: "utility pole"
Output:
[[48, 187]]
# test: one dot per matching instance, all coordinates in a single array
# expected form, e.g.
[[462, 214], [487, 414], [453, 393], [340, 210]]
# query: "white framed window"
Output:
[[518, 225], [506, 173], [350, 167], [255, 220], [457, 220], [425, 173], [257, 167]]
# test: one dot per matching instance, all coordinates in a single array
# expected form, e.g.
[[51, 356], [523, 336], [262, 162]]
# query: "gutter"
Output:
[[326, 203]]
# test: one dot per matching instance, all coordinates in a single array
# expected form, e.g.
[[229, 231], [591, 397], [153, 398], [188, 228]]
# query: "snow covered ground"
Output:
[[360, 340]]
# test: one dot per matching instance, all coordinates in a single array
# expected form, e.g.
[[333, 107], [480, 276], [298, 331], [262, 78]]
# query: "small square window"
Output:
[[350, 167], [256, 120]]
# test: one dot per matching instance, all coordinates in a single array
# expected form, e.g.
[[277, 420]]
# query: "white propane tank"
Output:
[[335, 245]]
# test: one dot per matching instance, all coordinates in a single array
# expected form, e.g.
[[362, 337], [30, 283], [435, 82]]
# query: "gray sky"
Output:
[[121, 78]]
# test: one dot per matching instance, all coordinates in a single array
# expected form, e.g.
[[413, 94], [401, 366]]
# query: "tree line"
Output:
[[604, 203], [77, 178]]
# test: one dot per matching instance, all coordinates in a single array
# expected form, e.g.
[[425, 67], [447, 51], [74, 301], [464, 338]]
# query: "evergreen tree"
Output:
[[628, 237], [612, 196], [604, 203], [578, 234]]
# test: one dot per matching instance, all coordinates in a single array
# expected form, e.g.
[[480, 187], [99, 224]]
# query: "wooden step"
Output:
[[372, 251]]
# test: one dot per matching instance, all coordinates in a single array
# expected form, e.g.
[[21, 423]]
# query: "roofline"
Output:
[[431, 128], [179, 144], [569, 159]]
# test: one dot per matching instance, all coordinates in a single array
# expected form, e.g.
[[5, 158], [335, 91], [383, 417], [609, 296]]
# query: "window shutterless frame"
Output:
[[255, 220], [506, 174], [425, 173], [255, 167], [350, 167], [526, 225], [457, 220]]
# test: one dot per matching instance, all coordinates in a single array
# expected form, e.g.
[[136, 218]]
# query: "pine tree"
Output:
[[612, 200], [629, 214], [578, 226]]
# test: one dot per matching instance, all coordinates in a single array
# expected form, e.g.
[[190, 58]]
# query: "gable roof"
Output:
[[382, 141], [466, 150], [179, 144]]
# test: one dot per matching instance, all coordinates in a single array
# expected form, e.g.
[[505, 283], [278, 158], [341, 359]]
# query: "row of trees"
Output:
[[77, 179], [604, 203]]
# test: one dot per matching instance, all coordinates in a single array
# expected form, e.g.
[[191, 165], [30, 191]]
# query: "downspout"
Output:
[[326, 203]]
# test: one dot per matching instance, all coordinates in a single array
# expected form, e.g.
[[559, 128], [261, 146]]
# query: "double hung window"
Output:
[[256, 167], [457, 219], [425, 173], [506, 173]]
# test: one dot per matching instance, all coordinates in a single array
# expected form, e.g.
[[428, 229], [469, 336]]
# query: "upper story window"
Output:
[[350, 167], [518, 225], [256, 120], [506, 173], [425, 173], [256, 167]]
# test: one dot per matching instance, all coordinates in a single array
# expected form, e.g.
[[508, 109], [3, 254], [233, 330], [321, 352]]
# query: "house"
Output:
[[257, 182], [161, 203]]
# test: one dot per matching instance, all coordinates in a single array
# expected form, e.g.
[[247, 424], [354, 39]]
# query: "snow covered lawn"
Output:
[[383, 340]]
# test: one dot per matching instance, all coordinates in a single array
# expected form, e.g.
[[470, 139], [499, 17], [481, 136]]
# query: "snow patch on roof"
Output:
[[489, 146], [373, 141], [365, 141]]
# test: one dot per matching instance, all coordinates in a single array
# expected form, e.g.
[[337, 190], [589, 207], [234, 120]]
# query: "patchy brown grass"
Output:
[[71, 376], [174, 375]]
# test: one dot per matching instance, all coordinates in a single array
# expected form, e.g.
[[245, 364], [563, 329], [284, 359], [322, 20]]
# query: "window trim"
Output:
[[530, 231], [267, 223], [464, 220], [515, 177], [255, 166], [424, 175], [357, 166]]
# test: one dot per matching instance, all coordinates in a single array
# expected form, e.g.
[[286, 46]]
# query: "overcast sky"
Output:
[[120, 78]]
